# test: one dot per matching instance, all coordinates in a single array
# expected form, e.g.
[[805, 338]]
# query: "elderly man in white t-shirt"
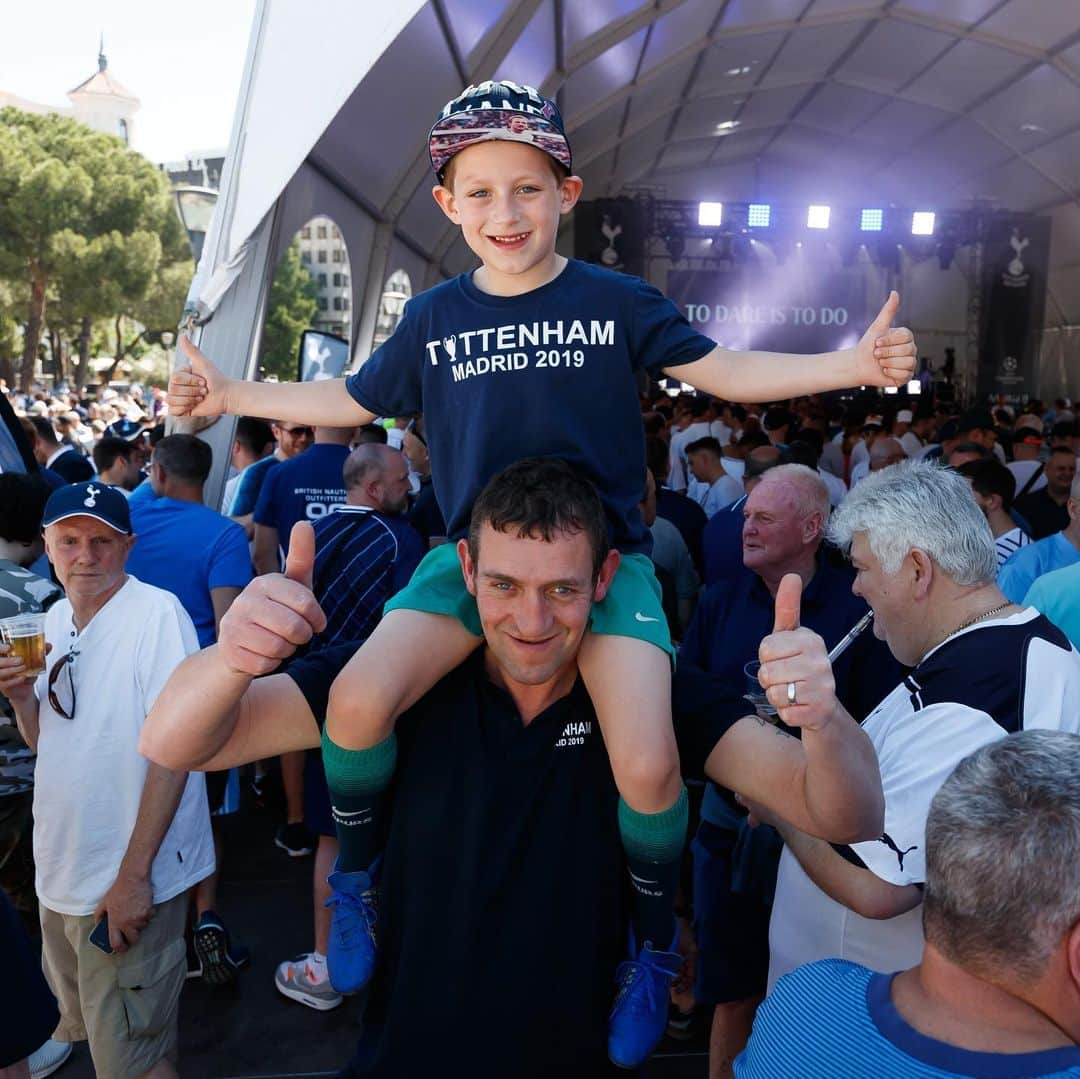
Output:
[[118, 841]]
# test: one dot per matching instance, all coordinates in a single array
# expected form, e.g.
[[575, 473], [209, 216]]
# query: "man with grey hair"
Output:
[[982, 667], [998, 989], [735, 868]]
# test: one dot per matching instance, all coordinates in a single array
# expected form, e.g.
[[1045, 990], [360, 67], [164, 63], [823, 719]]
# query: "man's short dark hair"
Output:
[[812, 437], [22, 505], [699, 406], [977, 419], [371, 433], [756, 439], [1064, 429], [971, 447], [254, 434], [990, 477], [708, 444], [758, 466], [776, 418], [1062, 449], [657, 457], [44, 428], [108, 449], [184, 457], [538, 498]]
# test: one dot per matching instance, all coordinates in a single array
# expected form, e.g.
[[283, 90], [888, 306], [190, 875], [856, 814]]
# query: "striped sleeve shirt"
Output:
[[836, 1018], [362, 558], [1009, 543]]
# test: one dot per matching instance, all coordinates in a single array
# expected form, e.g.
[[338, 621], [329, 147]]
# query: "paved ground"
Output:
[[249, 1030]]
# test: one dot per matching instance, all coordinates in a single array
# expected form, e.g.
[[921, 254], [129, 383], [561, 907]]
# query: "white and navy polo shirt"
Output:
[[992, 679]]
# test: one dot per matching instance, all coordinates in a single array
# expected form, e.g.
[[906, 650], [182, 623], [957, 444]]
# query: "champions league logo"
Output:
[[1015, 276]]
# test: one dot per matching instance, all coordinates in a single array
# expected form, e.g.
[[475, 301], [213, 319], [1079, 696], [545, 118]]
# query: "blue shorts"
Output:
[[732, 930]]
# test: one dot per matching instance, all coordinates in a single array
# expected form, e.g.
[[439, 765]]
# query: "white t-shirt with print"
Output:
[[89, 777]]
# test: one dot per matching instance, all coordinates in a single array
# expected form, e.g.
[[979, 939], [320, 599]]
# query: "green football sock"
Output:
[[359, 780], [654, 843]]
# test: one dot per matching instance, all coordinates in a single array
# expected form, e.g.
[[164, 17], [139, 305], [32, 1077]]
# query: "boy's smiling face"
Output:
[[508, 201]]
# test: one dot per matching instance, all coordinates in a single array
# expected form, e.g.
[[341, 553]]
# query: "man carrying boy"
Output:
[[528, 325], [524, 890]]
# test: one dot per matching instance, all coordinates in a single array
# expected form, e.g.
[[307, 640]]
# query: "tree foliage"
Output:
[[89, 230], [293, 303]]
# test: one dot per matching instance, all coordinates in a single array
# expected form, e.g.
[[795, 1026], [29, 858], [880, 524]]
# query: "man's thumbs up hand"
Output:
[[788, 602], [794, 663], [300, 561], [275, 614]]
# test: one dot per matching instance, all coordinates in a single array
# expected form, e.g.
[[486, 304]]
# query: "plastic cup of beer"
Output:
[[25, 633], [755, 694]]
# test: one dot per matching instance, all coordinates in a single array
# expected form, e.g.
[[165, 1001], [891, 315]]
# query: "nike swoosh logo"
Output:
[[355, 813], [644, 617], [633, 875]]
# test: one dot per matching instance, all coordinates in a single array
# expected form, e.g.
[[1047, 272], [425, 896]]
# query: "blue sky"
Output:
[[183, 61]]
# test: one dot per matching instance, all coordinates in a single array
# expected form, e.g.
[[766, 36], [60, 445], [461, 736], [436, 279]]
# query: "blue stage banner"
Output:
[[794, 307]]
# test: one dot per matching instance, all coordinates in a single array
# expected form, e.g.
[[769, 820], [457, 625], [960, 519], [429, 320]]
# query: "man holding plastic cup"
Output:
[[118, 841]]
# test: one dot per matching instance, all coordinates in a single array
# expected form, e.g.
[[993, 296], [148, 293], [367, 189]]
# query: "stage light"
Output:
[[817, 217], [872, 220], [758, 215], [892, 389], [914, 386], [710, 214], [922, 223]]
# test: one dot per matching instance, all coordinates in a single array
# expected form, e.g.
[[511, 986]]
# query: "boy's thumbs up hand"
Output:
[[275, 614], [885, 356], [198, 389], [793, 658]]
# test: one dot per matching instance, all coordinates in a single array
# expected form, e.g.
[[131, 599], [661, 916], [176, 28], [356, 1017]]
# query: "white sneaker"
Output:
[[48, 1057], [293, 979]]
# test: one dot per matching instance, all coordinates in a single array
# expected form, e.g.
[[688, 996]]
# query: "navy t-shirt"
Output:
[[548, 374], [304, 488], [733, 617]]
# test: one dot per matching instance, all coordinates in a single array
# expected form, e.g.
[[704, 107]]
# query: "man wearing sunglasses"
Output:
[[114, 835]]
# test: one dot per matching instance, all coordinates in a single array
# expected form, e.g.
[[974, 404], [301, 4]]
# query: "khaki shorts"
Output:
[[125, 1005]]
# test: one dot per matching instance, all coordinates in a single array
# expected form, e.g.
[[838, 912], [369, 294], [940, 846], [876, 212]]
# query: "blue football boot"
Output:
[[350, 958], [639, 1015]]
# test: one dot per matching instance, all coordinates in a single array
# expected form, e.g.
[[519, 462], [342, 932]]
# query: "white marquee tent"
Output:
[[915, 103]]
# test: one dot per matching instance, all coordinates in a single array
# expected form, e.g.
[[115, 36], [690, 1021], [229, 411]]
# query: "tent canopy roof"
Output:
[[914, 103]]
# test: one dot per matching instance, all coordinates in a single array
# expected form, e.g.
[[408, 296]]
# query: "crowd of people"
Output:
[[510, 648], [761, 896]]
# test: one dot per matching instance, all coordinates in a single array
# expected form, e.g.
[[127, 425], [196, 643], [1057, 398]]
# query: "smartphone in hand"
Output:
[[99, 935]]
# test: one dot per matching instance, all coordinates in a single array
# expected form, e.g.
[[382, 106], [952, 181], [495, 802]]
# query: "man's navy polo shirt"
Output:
[[732, 618]]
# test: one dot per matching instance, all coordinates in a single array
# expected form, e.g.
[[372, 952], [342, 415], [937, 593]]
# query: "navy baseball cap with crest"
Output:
[[498, 112], [97, 500]]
